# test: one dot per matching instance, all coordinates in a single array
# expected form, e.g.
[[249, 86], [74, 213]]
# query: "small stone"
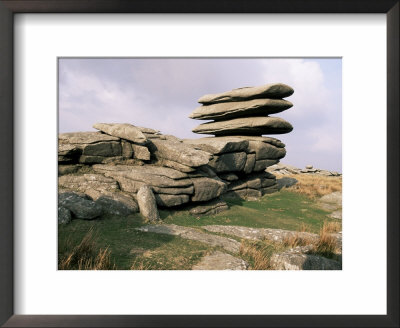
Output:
[[309, 167]]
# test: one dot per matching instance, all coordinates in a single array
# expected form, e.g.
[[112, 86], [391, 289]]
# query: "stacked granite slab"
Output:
[[244, 115]]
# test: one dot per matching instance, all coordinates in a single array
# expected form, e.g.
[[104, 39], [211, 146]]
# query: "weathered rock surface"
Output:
[[277, 90], [147, 204], [229, 176], [126, 149], [219, 145], [82, 208], [175, 165], [64, 215], [68, 169], [296, 260], [210, 208], [84, 137], [332, 203], [276, 235], [88, 182], [269, 140], [285, 182], [252, 126], [141, 152], [228, 110], [247, 194], [122, 130], [262, 164], [179, 152], [228, 244], [105, 149], [220, 261], [206, 189], [285, 169], [250, 163], [117, 203], [265, 150], [166, 200], [129, 176], [229, 162]]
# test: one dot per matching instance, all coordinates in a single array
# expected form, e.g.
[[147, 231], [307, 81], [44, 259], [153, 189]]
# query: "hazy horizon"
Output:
[[160, 93]]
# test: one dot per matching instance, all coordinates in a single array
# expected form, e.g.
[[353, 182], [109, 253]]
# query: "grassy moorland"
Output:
[[113, 243]]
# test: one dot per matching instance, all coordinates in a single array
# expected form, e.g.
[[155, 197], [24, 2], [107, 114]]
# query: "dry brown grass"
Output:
[[327, 244], [84, 256], [315, 186], [139, 264], [258, 254]]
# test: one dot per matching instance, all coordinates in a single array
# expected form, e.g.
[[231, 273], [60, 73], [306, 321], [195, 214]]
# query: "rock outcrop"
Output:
[[111, 166]]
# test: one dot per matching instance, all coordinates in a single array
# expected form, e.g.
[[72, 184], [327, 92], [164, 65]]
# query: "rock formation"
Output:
[[107, 169]]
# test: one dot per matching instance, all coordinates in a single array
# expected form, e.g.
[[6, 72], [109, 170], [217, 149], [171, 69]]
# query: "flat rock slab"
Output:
[[228, 244], [86, 182], [219, 145], [220, 261], [228, 110], [122, 130], [276, 90], [252, 126], [277, 235], [269, 140], [179, 152], [85, 137]]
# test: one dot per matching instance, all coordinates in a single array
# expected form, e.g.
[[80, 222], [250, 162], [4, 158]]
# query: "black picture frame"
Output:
[[10, 7]]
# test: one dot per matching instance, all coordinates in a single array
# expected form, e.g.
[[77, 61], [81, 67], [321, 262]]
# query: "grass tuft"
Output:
[[84, 256], [258, 253]]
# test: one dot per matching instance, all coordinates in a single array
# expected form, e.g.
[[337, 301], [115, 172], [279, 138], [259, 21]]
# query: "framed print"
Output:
[[105, 54]]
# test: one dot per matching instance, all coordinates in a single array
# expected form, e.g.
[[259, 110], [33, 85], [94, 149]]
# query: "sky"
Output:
[[160, 93]]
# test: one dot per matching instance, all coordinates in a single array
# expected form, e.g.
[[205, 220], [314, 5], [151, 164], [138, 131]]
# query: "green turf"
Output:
[[283, 210], [128, 246]]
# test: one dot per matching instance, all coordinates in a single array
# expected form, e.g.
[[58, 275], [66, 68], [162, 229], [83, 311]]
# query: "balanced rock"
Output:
[[122, 130], [253, 126], [228, 110], [147, 204], [276, 90]]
